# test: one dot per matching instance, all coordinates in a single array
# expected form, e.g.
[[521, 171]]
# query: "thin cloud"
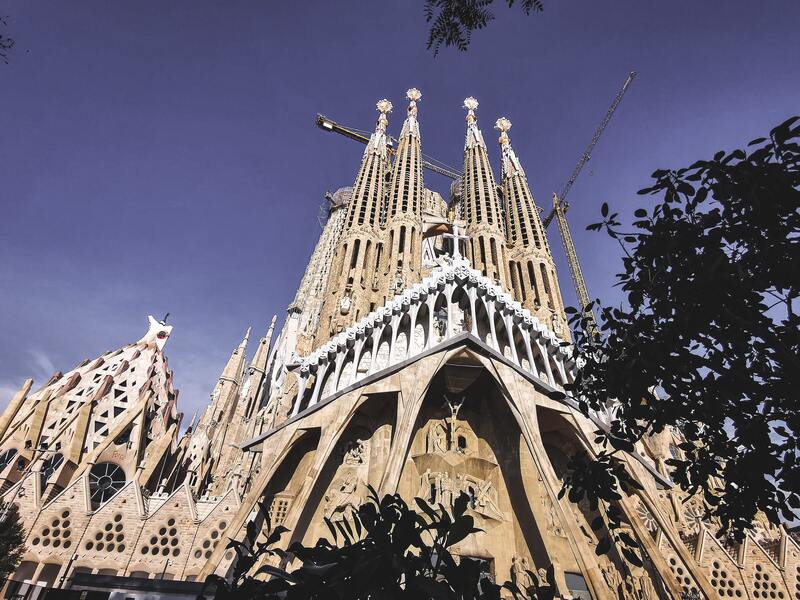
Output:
[[42, 367]]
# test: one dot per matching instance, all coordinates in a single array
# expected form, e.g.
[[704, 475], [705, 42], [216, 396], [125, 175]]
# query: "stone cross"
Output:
[[456, 237]]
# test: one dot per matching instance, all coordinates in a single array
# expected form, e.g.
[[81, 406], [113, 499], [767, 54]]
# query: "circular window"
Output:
[[105, 480]]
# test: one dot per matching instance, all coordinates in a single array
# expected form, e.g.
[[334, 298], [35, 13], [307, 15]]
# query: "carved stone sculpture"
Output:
[[520, 573], [355, 453]]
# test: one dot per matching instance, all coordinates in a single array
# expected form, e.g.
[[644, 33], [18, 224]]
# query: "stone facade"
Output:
[[415, 359]]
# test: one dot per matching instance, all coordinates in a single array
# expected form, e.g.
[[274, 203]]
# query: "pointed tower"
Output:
[[403, 234], [530, 263], [480, 204], [114, 416], [351, 280], [226, 459], [208, 439], [303, 318]]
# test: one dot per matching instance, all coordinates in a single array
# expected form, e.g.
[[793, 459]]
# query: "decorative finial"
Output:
[[384, 107], [471, 104], [503, 125], [413, 95]]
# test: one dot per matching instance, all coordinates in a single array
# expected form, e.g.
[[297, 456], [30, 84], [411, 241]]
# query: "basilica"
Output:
[[418, 357]]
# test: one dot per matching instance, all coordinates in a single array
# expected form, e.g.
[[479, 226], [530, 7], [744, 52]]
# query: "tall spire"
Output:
[[480, 205], [353, 266], [368, 192], [403, 236], [523, 224], [531, 267], [405, 193]]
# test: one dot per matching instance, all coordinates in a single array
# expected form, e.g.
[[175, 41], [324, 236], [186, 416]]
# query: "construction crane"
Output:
[[560, 207], [587, 154], [327, 124], [572, 260]]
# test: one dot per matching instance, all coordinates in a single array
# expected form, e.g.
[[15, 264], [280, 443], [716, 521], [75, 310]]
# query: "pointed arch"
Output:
[[402, 341], [460, 310], [365, 360], [347, 371], [420, 333], [502, 335], [383, 358], [482, 318]]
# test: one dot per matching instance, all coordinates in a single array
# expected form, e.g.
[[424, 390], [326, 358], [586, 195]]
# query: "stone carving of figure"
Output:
[[642, 586], [342, 495], [437, 439], [344, 305], [427, 487], [555, 323], [467, 322], [553, 522], [519, 573], [485, 500], [610, 574], [452, 421], [354, 452], [399, 283], [446, 489], [542, 572]]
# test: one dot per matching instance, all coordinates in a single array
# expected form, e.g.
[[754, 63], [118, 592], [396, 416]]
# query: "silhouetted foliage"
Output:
[[453, 21], [387, 551], [6, 43], [708, 339], [12, 539]]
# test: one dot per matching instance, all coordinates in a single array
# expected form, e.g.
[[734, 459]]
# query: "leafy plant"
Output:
[[12, 540], [383, 549], [453, 21], [6, 43], [708, 339]]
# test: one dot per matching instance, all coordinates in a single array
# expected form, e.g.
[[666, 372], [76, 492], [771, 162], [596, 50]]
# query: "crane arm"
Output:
[[587, 154], [327, 124]]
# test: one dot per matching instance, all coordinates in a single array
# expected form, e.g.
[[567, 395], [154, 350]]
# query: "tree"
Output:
[[453, 21], [6, 43], [708, 338], [388, 551], [12, 539]]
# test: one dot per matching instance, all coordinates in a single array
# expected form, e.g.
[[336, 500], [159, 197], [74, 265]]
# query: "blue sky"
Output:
[[162, 156]]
